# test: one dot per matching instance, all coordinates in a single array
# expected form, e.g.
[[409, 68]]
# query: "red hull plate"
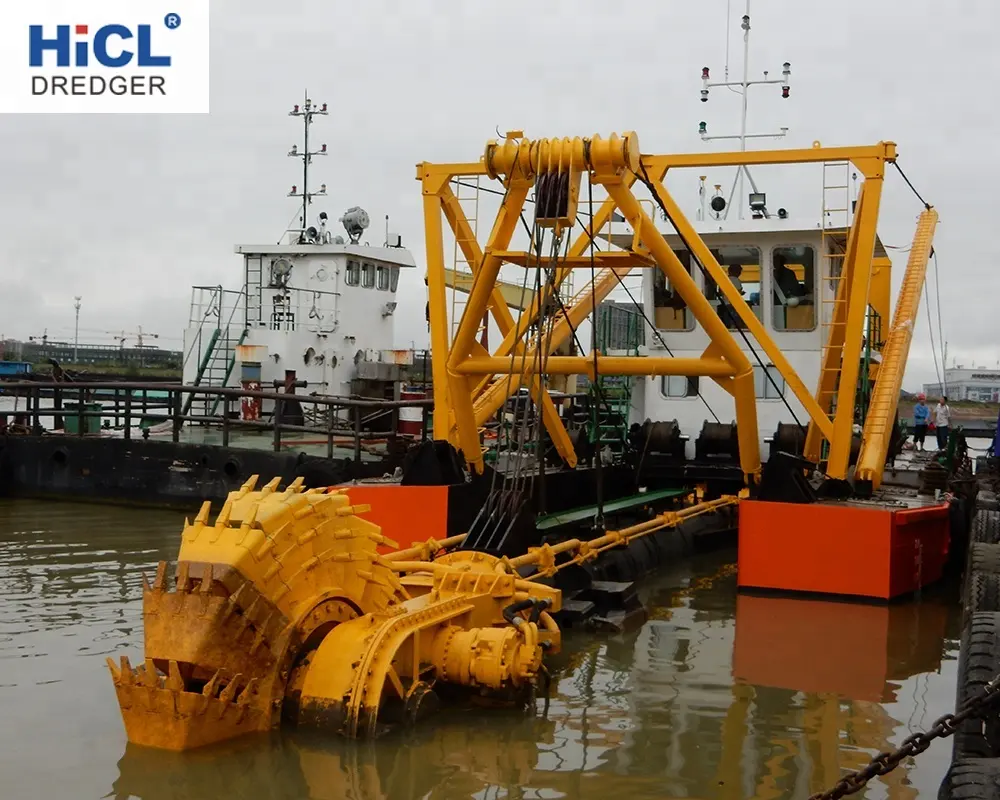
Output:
[[408, 515], [862, 550]]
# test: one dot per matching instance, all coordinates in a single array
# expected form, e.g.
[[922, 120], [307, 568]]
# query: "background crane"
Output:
[[139, 335]]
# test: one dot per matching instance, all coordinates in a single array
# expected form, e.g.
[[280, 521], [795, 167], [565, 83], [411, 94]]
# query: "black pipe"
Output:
[[513, 609]]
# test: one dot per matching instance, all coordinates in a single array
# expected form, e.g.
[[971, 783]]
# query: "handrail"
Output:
[[342, 401], [334, 430]]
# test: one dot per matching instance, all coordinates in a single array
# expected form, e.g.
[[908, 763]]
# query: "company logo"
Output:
[[115, 57]]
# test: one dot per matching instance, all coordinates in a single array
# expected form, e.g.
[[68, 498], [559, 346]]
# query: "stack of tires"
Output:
[[975, 768]]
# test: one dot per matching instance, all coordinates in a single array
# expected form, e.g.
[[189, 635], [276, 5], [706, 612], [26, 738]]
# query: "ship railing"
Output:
[[154, 411], [213, 310]]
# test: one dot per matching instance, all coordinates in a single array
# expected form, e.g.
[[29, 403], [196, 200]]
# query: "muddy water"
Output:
[[714, 697]]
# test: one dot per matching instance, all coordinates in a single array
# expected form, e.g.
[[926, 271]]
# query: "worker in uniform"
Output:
[[921, 416], [942, 420]]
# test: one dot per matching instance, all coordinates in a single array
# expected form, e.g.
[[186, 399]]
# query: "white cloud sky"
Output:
[[131, 211]]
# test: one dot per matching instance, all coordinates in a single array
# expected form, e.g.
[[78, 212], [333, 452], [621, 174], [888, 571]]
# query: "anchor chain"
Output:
[[884, 763]]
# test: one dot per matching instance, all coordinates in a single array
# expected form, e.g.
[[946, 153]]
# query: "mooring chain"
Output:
[[884, 763]]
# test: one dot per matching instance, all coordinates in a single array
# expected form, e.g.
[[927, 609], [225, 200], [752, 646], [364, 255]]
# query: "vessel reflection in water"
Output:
[[714, 697]]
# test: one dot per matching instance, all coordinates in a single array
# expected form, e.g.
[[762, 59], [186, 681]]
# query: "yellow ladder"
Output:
[[836, 219], [467, 194], [885, 399]]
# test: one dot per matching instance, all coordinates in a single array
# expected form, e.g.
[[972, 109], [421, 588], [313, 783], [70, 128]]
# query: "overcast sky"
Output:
[[130, 211]]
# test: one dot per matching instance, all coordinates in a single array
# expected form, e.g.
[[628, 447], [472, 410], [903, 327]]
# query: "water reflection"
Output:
[[714, 697]]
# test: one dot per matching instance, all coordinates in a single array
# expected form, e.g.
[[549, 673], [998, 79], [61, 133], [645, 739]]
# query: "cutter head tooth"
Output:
[[160, 581], [174, 680], [203, 513]]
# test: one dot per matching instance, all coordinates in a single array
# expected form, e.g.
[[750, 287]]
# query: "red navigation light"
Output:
[[323, 149], [324, 107], [295, 110], [294, 189], [784, 91], [704, 73]]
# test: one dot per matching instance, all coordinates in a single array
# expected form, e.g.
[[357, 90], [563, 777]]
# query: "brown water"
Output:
[[714, 697]]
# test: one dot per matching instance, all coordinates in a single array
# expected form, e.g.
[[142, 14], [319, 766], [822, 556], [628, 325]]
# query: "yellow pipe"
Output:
[[606, 365], [430, 546], [885, 398], [623, 536]]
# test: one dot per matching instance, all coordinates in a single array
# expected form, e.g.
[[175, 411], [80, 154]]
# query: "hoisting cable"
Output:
[[493, 510], [941, 339], [555, 290], [599, 518], [558, 298], [912, 187], [647, 321], [562, 307], [930, 331], [767, 373]]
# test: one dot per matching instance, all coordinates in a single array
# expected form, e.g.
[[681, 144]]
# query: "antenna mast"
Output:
[[742, 88], [306, 111]]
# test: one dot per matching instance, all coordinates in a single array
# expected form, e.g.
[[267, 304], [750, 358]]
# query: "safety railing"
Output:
[[77, 409], [213, 311]]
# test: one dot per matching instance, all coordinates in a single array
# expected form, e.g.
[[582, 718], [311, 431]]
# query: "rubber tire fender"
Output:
[[983, 595], [971, 779], [978, 663], [985, 527]]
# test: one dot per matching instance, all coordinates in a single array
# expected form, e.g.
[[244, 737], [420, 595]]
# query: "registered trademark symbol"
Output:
[[172, 21]]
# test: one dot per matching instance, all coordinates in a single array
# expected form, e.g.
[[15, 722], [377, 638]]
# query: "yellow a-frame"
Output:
[[471, 385]]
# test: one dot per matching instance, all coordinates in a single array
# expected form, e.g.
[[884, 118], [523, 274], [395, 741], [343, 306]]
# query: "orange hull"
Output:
[[408, 515], [842, 548]]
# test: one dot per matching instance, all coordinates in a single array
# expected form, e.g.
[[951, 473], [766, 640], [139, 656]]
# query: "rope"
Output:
[[562, 307], [593, 342], [930, 330], [912, 187], [941, 339]]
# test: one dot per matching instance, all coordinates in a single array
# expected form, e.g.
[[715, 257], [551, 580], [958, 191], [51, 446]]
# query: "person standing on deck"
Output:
[[921, 416], [942, 420]]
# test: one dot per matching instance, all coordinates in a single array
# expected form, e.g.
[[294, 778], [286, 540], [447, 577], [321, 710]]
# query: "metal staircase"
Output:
[[610, 398], [217, 358]]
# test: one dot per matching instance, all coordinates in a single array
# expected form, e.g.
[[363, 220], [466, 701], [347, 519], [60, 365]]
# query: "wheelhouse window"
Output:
[[394, 279], [353, 276], [670, 312], [679, 386], [742, 266], [793, 288], [368, 275], [769, 385], [382, 278]]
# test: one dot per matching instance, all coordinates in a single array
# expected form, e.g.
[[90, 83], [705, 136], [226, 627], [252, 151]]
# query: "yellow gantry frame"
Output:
[[470, 385]]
